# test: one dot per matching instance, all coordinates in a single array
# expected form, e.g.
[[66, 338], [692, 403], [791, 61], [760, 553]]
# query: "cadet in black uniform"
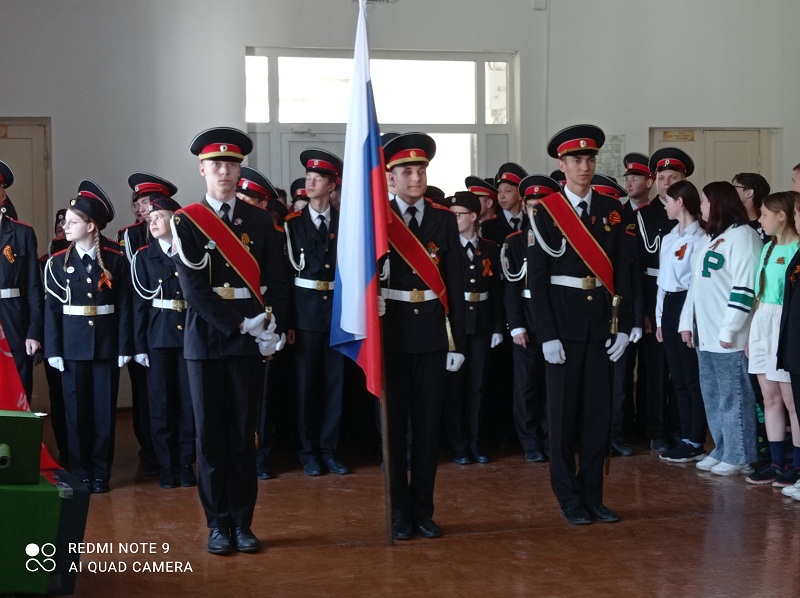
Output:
[[623, 369], [487, 194], [256, 189], [298, 193], [417, 351], [311, 236], [21, 293], [159, 313], [228, 264], [573, 267], [132, 238], [530, 399], [485, 319], [88, 332], [511, 217]]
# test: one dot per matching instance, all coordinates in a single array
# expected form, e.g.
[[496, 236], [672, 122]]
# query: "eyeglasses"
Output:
[[739, 186], [71, 223]]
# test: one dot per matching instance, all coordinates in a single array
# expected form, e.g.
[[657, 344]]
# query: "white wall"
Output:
[[128, 83]]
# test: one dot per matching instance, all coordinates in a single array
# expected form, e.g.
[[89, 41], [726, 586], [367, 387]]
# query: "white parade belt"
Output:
[[318, 285], [173, 304], [586, 283], [476, 297], [652, 272], [409, 296], [88, 310], [232, 292], [9, 293]]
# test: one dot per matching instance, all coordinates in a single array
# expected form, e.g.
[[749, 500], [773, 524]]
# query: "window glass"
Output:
[[496, 93], [256, 89]]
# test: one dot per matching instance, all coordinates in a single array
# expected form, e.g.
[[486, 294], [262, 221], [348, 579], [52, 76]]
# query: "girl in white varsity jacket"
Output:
[[716, 320]]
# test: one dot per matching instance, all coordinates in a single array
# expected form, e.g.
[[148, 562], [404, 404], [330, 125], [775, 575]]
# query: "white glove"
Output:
[[123, 359], [636, 335], [255, 326], [554, 352], [142, 359], [268, 346], [282, 342], [381, 305], [56, 362], [497, 338], [454, 361], [618, 348]]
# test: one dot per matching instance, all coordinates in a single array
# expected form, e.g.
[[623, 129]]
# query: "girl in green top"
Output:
[[777, 220]]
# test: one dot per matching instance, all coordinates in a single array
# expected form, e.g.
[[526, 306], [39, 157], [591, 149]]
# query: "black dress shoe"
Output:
[[426, 527], [100, 486], [401, 528], [602, 513], [461, 458], [336, 467], [244, 540], [535, 456], [188, 479], [166, 479], [150, 468], [263, 472], [660, 445], [479, 457], [576, 515], [621, 449], [312, 468], [219, 541]]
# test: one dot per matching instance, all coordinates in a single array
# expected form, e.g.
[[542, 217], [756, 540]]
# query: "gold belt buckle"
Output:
[[474, 297], [178, 305], [588, 283], [89, 310], [416, 296], [323, 285], [226, 292]]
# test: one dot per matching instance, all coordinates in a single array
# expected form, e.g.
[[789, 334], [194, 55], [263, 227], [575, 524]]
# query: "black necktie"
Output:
[[413, 225], [584, 212], [470, 249], [225, 214], [515, 223], [87, 261], [323, 228]]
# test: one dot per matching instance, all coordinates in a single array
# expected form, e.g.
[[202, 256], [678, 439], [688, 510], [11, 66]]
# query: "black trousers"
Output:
[[684, 371], [657, 387], [623, 395], [320, 378], [58, 417], [90, 401], [530, 398], [415, 387], [225, 395], [464, 400], [579, 403], [171, 416], [24, 364], [141, 406]]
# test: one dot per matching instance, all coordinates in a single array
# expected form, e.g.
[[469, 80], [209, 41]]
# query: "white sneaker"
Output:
[[707, 463], [723, 468], [791, 491]]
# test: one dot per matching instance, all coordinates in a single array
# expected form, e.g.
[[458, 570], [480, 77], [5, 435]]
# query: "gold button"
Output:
[[327, 266], [590, 298], [91, 322], [89, 280], [472, 266], [88, 295], [472, 280], [176, 273], [227, 265], [325, 297], [416, 311], [226, 285], [179, 327]]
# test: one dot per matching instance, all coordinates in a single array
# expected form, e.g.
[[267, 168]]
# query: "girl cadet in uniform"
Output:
[[88, 332], [777, 221], [720, 301], [158, 319]]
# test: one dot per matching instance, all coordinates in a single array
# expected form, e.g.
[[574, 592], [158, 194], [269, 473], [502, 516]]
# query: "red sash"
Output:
[[582, 241], [415, 255], [228, 244]]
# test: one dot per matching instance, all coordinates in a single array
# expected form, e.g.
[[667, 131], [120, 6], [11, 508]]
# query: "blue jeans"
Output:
[[730, 406]]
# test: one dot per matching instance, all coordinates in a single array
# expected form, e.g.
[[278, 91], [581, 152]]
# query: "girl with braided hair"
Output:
[[88, 332]]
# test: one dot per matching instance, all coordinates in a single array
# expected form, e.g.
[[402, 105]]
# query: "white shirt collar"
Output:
[[92, 253], [464, 240], [509, 216], [315, 215], [165, 247], [576, 199], [403, 205], [216, 205]]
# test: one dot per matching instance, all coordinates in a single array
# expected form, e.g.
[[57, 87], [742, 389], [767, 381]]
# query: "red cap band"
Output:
[[220, 150], [301, 192], [90, 195], [672, 164], [509, 177], [255, 187], [610, 191], [321, 165], [636, 168], [407, 155], [483, 191], [577, 145], [150, 187]]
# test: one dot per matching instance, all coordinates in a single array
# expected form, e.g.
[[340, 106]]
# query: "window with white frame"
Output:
[[300, 97]]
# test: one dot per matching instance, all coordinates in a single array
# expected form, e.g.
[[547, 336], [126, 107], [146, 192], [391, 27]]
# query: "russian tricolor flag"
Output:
[[355, 328]]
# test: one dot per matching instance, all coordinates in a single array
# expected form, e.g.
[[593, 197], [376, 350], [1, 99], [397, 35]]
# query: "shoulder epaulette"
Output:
[[143, 247], [433, 204], [279, 228], [516, 232], [21, 222], [292, 215], [124, 228], [112, 250], [490, 242], [59, 252]]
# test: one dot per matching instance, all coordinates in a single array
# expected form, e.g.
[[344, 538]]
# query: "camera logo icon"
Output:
[[40, 557]]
